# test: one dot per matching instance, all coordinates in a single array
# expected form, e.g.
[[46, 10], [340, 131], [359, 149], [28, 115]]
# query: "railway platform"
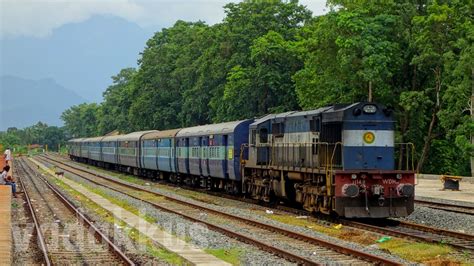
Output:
[[5, 221], [5, 225], [431, 186]]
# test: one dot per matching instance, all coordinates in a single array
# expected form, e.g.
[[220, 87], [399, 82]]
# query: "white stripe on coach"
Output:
[[355, 138]]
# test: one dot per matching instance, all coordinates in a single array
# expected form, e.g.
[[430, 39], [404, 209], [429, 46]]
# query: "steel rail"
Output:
[[39, 234], [464, 209], [466, 240], [280, 252], [295, 235], [97, 233]]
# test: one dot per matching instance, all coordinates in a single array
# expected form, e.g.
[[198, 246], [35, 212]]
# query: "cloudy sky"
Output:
[[38, 18], [69, 50]]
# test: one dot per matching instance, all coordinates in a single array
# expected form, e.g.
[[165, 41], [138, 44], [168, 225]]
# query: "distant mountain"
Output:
[[81, 56], [24, 102]]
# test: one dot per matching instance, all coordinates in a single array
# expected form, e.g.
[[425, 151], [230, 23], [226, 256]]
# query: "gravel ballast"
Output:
[[458, 222], [239, 212], [197, 234]]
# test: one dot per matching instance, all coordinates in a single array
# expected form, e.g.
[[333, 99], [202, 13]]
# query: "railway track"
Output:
[[416, 231], [398, 228], [299, 248], [464, 209], [65, 235]]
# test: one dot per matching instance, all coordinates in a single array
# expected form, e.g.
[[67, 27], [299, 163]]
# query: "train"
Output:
[[339, 159]]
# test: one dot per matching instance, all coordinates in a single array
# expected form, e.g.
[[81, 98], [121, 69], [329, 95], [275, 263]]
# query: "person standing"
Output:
[[8, 156]]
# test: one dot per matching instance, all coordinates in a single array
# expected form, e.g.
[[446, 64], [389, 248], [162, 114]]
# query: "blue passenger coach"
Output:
[[95, 149], [109, 150], [129, 150], [212, 150], [158, 153]]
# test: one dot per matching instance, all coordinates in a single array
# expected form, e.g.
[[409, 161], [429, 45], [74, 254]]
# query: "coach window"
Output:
[[263, 135]]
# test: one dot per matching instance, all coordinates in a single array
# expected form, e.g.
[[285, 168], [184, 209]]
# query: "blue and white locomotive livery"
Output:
[[336, 159]]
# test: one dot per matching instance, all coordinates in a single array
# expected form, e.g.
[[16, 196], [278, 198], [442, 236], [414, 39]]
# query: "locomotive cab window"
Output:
[[263, 135]]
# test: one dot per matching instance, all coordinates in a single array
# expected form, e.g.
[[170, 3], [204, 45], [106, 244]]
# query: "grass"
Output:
[[231, 255], [429, 253], [122, 203], [418, 252], [161, 253]]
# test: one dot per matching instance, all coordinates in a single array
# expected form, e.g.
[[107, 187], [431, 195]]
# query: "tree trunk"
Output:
[[403, 130], [429, 136]]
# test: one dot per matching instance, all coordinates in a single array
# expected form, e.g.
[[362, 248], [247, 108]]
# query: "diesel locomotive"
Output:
[[339, 159]]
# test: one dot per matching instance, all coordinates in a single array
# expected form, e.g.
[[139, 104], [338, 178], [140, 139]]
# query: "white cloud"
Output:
[[38, 18], [318, 7]]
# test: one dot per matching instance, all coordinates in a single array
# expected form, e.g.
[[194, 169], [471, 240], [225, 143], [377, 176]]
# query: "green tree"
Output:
[[82, 120], [115, 108], [254, 44], [166, 72], [435, 40], [351, 52]]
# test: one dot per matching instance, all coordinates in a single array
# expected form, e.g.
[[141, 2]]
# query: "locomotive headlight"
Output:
[[399, 176], [369, 109], [354, 176]]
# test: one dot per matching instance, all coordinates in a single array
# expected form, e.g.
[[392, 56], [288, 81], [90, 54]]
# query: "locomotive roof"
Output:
[[309, 112], [76, 140], [221, 128], [331, 113], [282, 116], [161, 134], [270, 116]]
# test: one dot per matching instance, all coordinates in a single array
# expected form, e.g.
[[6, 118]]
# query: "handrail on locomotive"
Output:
[[281, 156]]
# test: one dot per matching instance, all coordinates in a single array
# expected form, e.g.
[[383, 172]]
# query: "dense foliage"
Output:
[[274, 56], [41, 134]]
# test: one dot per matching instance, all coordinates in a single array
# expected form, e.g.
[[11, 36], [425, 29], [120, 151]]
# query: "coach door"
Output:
[[204, 155]]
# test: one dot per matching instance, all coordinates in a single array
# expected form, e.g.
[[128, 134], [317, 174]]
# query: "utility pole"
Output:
[[472, 117], [370, 91]]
